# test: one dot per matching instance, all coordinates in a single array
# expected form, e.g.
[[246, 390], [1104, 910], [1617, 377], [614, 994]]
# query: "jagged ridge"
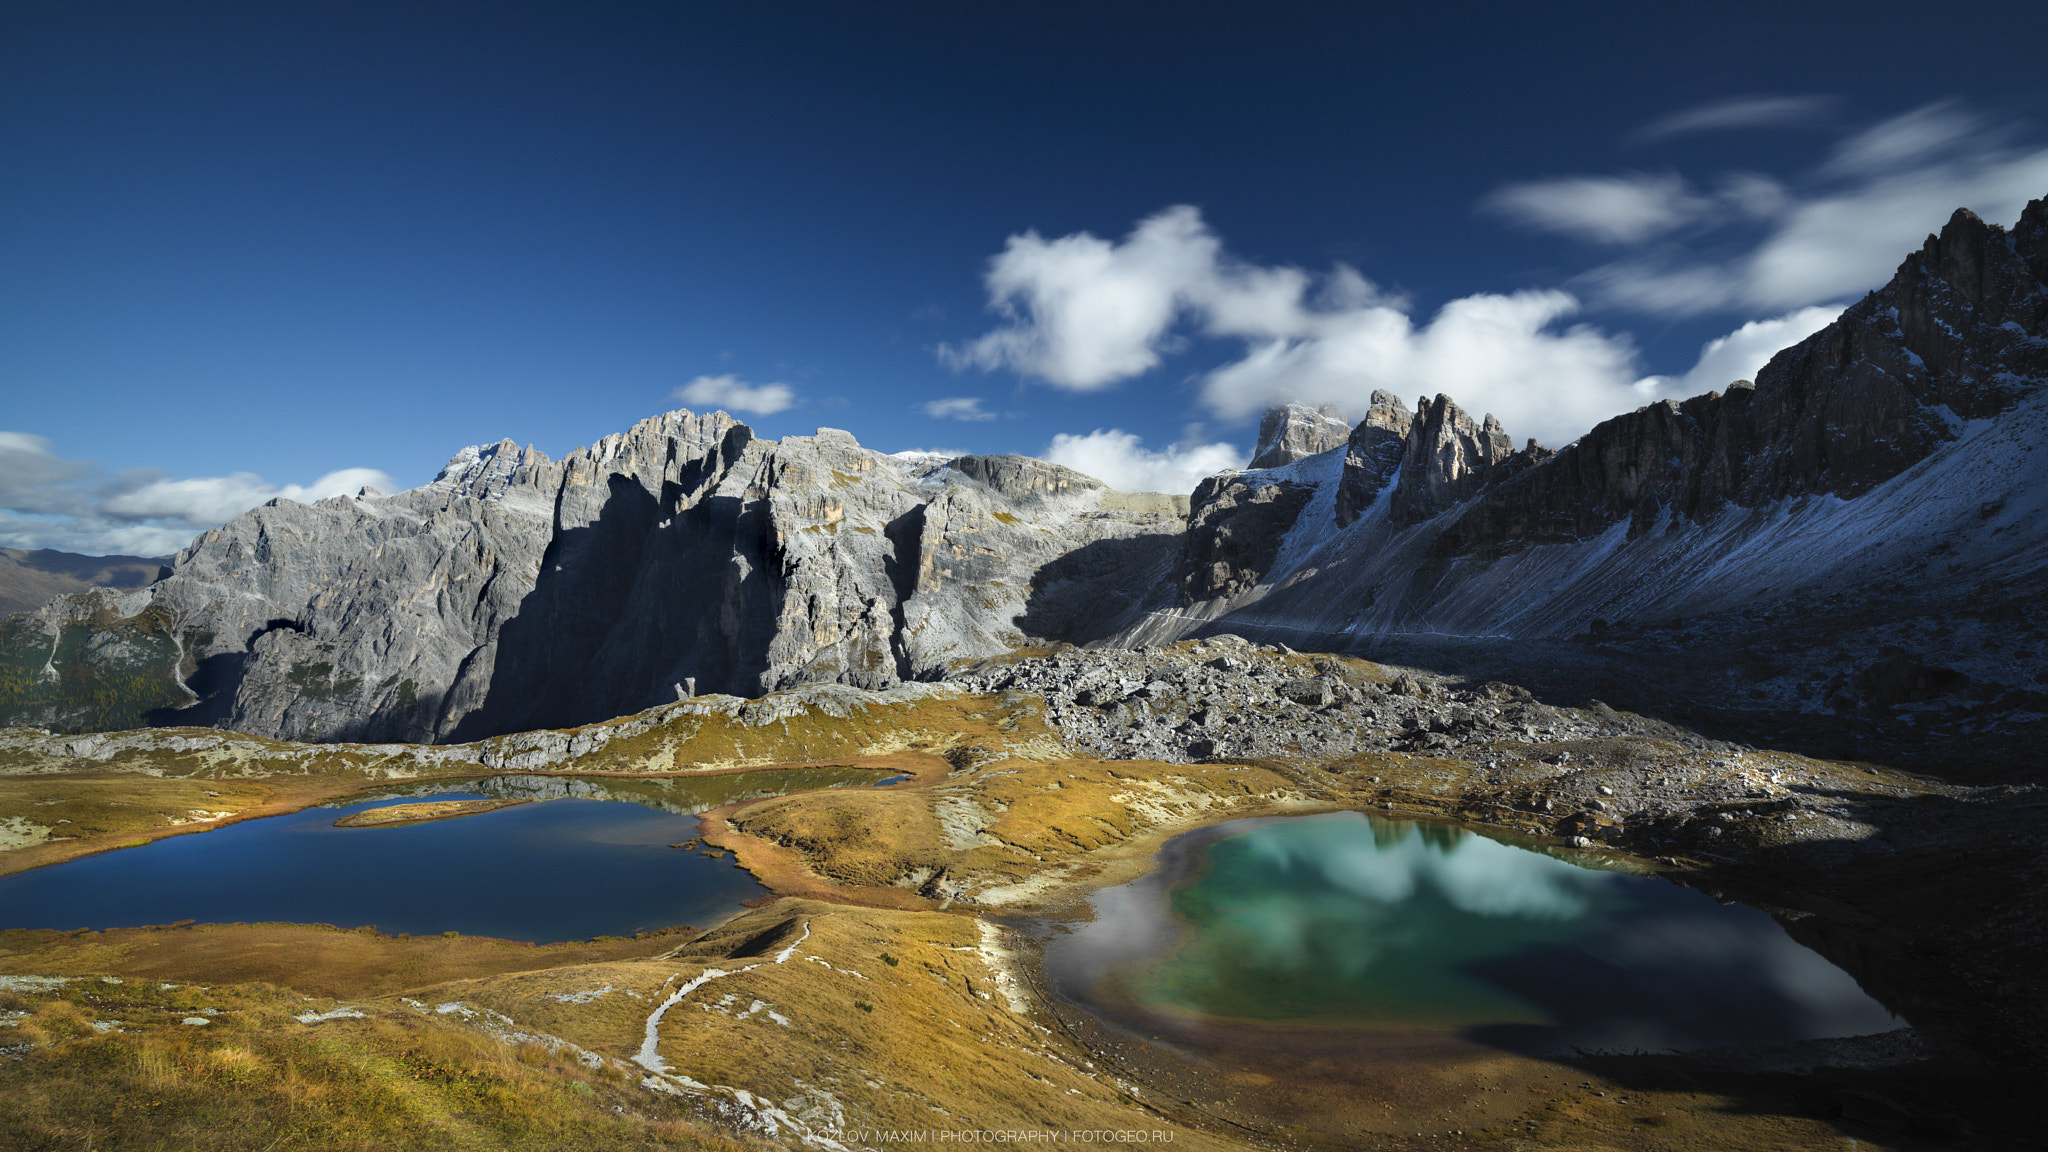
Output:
[[1905, 444], [1925, 390], [517, 592]]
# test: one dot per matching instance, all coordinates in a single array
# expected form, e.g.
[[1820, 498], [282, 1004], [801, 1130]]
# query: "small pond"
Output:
[[1348, 921], [593, 858]]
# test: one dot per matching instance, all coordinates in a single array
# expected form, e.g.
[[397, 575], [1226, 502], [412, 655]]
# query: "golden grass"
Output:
[[93, 811], [99, 804], [926, 1043], [991, 828], [921, 1035], [421, 813], [310, 958], [258, 1079]]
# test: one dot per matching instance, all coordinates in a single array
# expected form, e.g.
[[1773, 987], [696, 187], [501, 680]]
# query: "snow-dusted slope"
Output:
[[1970, 516], [1901, 449]]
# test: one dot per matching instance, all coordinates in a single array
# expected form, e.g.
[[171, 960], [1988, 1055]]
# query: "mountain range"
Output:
[[1850, 548], [29, 579]]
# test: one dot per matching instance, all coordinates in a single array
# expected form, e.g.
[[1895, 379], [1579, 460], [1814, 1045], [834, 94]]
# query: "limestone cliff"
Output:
[[516, 592], [1445, 461], [1960, 334], [1373, 454]]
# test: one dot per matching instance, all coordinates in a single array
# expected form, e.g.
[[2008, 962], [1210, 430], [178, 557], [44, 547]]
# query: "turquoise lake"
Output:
[[1349, 920]]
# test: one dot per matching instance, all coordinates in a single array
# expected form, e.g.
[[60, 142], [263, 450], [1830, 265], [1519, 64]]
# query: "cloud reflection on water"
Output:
[[1472, 873], [1347, 916]]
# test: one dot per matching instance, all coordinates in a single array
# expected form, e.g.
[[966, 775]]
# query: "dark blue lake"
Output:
[[559, 869]]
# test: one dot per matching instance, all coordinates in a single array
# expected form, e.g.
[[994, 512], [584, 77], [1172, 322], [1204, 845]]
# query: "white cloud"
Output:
[[1634, 207], [1318, 340], [1490, 353], [1606, 209], [92, 537], [1335, 339], [35, 481], [734, 394], [1115, 457], [957, 408], [211, 500], [1741, 353], [1850, 242], [1839, 232], [1915, 136], [1741, 112], [75, 506], [1084, 313]]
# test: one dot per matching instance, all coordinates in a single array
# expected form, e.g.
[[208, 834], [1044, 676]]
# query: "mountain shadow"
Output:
[[1096, 590], [625, 609]]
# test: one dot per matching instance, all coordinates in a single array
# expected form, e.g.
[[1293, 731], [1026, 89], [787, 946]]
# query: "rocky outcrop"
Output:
[[1372, 455], [1445, 461], [1234, 532], [1434, 460], [1226, 696], [518, 592], [1902, 448], [1297, 432], [1960, 333], [1668, 459]]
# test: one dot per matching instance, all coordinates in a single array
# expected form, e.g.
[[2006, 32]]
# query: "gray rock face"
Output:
[[1297, 432], [1960, 333], [516, 592], [1373, 454], [1434, 460], [1445, 461], [1223, 696], [1234, 532]]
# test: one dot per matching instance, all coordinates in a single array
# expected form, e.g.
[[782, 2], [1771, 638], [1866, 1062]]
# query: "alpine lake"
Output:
[[1278, 970], [563, 858], [1275, 972]]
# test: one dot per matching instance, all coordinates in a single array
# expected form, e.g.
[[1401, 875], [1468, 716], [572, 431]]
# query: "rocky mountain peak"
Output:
[[2030, 238], [1372, 454], [517, 592], [1296, 432], [1955, 335], [489, 471], [1445, 459]]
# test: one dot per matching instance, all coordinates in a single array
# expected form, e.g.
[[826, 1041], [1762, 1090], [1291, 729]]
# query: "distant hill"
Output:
[[32, 579]]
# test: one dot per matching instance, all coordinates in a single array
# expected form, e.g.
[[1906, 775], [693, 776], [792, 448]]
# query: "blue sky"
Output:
[[246, 247]]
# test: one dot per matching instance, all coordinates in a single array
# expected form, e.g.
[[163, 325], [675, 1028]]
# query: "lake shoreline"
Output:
[[286, 794]]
